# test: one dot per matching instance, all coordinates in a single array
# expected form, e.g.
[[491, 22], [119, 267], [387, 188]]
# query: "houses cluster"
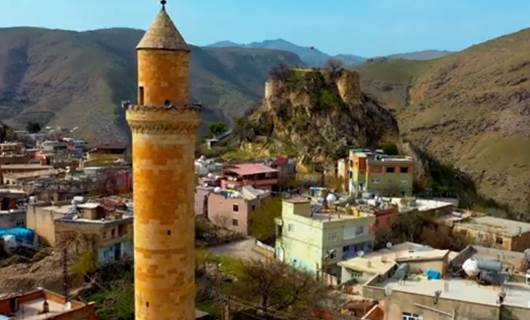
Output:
[[85, 204], [45, 179], [228, 194]]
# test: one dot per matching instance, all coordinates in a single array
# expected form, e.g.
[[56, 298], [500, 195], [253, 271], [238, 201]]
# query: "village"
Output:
[[358, 229], [175, 224]]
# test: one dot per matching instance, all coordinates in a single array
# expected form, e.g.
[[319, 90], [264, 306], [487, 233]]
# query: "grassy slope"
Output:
[[470, 109], [79, 78]]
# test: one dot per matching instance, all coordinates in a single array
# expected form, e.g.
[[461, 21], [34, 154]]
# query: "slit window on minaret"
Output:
[[141, 96]]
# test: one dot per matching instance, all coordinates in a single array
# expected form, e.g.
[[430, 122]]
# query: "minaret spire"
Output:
[[163, 2]]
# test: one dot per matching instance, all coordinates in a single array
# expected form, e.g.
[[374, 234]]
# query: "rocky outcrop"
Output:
[[319, 116]]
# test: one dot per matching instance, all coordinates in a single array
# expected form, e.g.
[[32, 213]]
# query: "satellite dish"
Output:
[[389, 245], [360, 253]]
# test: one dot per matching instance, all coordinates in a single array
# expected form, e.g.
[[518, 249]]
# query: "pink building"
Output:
[[231, 210], [231, 213], [256, 175]]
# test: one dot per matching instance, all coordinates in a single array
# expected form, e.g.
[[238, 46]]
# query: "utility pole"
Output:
[[66, 285]]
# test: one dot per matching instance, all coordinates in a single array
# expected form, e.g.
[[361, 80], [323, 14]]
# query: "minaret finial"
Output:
[[163, 2]]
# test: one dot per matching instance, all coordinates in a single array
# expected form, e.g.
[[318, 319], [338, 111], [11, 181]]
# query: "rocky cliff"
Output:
[[317, 115]]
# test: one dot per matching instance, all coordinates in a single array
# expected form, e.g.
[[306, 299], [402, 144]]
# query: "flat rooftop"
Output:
[[497, 225], [245, 169], [517, 294], [30, 310], [381, 261], [335, 217]]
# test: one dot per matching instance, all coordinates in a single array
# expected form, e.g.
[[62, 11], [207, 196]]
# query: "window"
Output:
[[332, 254], [141, 96], [235, 208], [404, 169], [332, 236], [359, 230], [410, 316], [290, 227], [390, 169], [235, 222], [351, 174], [113, 233], [253, 207], [499, 240]]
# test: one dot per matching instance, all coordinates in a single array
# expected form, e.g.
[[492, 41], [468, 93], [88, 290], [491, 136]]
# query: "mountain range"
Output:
[[78, 79], [313, 57], [468, 110]]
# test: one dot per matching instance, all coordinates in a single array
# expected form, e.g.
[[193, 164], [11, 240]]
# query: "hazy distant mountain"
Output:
[[420, 55], [77, 79], [311, 56]]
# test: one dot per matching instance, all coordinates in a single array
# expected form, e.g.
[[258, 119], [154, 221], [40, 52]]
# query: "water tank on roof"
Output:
[[490, 265], [78, 199], [402, 271], [470, 267], [331, 198], [217, 190], [10, 243]]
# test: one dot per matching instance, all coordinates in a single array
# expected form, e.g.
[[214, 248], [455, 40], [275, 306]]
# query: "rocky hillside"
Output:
[[317, 115], [78, 79], [469, 110]]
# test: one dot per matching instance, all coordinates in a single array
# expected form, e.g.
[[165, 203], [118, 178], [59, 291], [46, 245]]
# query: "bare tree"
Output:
[[278, 287], [334, 66], [280, 72]]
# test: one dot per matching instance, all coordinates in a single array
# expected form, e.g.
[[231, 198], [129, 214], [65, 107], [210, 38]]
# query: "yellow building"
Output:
[[163, 125]]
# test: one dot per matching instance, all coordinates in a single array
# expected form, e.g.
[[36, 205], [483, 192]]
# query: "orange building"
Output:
[[163, 125]]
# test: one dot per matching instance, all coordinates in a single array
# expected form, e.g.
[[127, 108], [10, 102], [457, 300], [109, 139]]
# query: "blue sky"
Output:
[[364, 27]]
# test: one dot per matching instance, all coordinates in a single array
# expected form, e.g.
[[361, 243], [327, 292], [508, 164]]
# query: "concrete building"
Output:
[[412, 295], [233, 210], [256, 175], [163, 125], [379, 174], [12, 208], [13, 153], [99, 226], [315, 239], [43, 304], [419, 257], [495, 232]]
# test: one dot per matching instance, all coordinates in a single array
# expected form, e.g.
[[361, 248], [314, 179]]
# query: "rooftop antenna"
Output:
[[163, 3]]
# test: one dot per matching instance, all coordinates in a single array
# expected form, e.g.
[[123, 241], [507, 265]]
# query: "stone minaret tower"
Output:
[[163, 125]]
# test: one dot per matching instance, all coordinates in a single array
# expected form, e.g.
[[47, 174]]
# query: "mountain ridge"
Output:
[[69, 78], [469, 110]]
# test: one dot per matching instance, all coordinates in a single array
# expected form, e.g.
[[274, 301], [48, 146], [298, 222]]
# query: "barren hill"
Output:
[[74, 79], [469, 110]]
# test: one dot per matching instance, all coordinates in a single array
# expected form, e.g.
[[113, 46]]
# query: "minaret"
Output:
[[163, 125]]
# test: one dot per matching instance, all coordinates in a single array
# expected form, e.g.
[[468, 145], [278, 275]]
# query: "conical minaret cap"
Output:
[[163, 35]]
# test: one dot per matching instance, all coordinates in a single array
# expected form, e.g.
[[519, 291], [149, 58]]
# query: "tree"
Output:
[[277, 287], [216, 128], [334, 66], [33, 127], [280, 72], [262, 225]]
